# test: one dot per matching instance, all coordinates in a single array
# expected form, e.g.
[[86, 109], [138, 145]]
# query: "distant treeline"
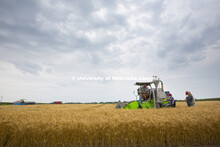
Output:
[[11, 103], [91, 103], [6, 103], [209, 99], [206, 99]]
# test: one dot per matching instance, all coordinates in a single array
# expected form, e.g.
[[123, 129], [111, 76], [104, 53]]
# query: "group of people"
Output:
[[189, 100], [171, 101], [145, 95]]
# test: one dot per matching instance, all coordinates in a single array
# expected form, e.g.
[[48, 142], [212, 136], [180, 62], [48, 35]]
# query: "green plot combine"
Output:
[[152, 95]]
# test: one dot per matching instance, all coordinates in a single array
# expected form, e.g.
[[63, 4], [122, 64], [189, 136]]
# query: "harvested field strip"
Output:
[[102, 125]]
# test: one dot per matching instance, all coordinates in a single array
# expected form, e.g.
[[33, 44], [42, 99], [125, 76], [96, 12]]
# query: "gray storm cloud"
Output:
[[43, 44]]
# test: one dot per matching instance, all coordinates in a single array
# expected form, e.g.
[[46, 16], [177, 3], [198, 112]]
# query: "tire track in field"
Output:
[[93, 107]]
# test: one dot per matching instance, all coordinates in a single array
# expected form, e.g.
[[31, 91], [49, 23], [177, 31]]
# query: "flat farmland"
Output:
[[103, 125]]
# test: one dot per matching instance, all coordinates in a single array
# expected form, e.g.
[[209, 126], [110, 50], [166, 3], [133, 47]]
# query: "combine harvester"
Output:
[[23, 102], [153, 96]]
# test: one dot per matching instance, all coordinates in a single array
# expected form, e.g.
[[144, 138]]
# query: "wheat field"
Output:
[[102, 125]]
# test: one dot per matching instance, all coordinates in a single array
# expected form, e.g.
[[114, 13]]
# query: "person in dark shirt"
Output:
[[190, 99]]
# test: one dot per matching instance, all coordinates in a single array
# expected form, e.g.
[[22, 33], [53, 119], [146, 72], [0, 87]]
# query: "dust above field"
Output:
[[103, 125]]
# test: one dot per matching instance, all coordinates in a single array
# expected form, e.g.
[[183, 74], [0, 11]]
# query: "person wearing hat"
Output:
[[190, 99], [171, 101], [145, 90]]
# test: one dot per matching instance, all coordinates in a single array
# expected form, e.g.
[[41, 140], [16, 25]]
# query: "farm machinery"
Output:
[[151, 94], [23, 102]]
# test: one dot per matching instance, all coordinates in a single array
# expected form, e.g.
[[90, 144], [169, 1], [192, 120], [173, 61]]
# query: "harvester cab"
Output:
[[151, 94]]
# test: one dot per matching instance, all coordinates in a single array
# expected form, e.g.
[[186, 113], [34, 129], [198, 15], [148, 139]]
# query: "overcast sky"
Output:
[[44, 44]]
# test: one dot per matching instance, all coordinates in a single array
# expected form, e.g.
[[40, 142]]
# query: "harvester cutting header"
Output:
[[151, 95]]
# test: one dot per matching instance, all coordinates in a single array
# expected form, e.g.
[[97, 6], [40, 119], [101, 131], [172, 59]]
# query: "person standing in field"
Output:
[[140, 102], [190, 99], [142, 98]]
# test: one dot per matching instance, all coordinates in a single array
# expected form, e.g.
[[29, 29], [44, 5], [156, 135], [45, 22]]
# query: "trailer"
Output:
[[57, 102]]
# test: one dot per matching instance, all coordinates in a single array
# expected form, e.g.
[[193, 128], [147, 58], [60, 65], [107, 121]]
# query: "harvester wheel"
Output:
[[174, 105]]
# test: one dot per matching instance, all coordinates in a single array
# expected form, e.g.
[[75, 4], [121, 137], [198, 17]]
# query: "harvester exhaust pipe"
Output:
[[156, 83]]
